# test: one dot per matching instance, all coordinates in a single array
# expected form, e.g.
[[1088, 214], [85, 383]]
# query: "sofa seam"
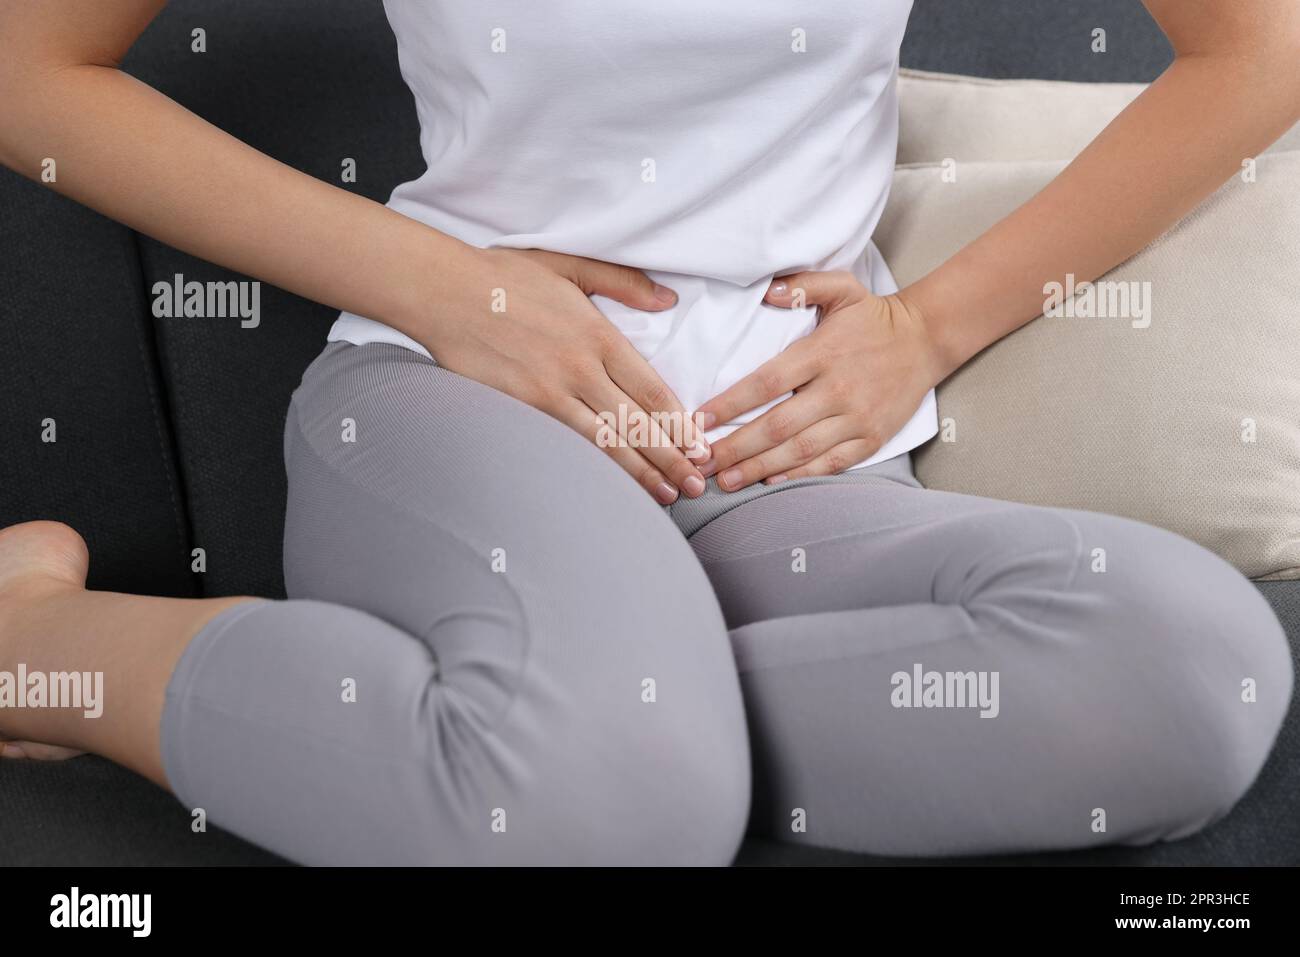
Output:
[[168, 440]]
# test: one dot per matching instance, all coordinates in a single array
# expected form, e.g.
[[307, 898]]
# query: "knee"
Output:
[[675, 770], [1216, 667], [597, 766], [1240, 678], [698, 810], [638, 795], [672, 747]]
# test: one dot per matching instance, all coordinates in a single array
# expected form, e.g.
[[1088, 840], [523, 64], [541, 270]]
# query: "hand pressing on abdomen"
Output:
[[857, 378], [528, 329]]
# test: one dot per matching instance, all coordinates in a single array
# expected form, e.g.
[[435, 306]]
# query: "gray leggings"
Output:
[[498, 649]]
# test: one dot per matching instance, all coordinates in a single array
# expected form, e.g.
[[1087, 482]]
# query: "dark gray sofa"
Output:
[[170, 429]]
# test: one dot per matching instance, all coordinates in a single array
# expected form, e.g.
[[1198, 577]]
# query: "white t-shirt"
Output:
[[713, 145]]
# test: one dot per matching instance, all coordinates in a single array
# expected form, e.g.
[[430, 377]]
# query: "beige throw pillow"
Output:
[[1183, 411]]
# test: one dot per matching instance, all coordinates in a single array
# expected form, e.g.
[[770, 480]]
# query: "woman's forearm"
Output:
[[126, 150], [1218, 104], [131, 153]]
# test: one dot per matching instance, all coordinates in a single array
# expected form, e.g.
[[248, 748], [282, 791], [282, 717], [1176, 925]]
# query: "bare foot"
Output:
[[37, 561]]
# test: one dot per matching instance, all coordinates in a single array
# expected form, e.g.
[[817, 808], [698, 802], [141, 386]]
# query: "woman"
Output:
[[497, 648]]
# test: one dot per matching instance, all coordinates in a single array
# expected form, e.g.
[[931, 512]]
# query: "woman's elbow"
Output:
[[34, 98]]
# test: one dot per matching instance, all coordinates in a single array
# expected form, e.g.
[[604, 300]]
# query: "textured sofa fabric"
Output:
[[170, 429], [78, 354]]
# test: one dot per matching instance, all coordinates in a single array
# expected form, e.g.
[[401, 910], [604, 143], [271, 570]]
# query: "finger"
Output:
[[629, 370], [784, 421], [797, 451], [830, 290], [620, 413], [647, 476], [793, 368], [632, 287], [832, 462], [583, 419]]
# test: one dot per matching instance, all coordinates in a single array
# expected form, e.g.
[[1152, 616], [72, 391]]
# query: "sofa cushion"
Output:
[[1178, 412]]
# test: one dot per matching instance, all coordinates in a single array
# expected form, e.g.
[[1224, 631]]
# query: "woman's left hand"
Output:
[[857, 379]]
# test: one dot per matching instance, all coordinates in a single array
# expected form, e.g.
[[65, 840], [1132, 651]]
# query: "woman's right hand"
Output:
[[520, 321], [132, 154]]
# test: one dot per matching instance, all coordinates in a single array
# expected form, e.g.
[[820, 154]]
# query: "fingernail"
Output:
[[778, 289], [694, 485], [730, 478], [775, 479], [705, 420], [708, 468], [12, 751], [664, 294], [699, 451], [665, 493]]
